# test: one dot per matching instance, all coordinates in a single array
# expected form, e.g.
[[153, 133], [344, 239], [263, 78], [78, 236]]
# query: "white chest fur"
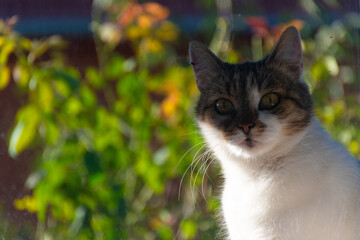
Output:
[[310, 193]]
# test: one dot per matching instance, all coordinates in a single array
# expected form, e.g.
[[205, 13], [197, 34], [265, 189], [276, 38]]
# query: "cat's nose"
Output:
[[247, 127]]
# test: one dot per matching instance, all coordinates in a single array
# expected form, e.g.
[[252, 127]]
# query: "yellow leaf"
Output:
[[26, 43], [151, 45], [354, 147], [2, 40], [169, 105], [4, 76], [5, 51], [19, 204], [30, 204], [167, 31], [135, 32], [26, 203], [145, 21]]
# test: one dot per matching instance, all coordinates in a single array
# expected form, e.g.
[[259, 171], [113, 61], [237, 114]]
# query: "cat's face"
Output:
[[252, 108]]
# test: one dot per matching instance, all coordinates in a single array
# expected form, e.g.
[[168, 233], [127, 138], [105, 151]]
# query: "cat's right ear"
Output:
[[205, 64], [288, 52]]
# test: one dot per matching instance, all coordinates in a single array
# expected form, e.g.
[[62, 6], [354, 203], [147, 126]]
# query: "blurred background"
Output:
[[97, 131]]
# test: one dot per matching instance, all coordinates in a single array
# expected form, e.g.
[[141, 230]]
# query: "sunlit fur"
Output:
[[289, 181]]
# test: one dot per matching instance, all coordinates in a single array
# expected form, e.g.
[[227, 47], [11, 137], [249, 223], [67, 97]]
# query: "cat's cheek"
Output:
[[270, 135], [217, 142], [213, 136], [272, 132]]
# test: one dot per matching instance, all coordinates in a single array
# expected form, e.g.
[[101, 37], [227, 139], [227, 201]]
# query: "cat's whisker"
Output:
[[196, 133], [188, 152], [187, 169], [202, 180], [204, 159], [193, 183]]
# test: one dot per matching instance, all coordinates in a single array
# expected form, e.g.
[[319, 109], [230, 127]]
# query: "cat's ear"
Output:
[[288, 52], [205, 64]]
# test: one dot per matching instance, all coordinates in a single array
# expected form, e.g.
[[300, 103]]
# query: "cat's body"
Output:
[[285, 179], [311, 192]]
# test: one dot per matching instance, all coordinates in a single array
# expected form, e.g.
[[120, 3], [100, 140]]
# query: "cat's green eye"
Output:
[[224, 106], [269, 101]]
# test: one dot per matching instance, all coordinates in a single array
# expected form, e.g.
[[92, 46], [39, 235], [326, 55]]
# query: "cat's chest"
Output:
[[260, 211], [249, 199], [258, 207], [281, 206], [246, 208]]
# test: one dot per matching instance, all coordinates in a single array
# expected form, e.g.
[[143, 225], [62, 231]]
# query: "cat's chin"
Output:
[[248, 143], [247, 148]]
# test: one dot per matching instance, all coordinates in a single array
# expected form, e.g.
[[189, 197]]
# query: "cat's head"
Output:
[[253, 108]]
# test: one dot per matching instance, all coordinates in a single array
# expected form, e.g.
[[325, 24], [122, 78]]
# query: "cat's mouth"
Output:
[[249, 143]]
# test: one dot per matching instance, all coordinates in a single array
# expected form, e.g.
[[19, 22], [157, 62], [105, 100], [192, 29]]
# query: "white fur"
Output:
[[303, 187]]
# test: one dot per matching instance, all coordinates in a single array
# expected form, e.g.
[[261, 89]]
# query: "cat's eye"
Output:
[[269, 101], [224, 106]]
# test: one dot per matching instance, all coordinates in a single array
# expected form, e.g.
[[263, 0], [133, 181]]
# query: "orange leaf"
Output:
[[155, 9], [145, 20], [130, 12]]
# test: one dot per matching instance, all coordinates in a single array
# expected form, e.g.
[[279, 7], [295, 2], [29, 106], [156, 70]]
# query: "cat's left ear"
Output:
[[288, 52], [206, 65]]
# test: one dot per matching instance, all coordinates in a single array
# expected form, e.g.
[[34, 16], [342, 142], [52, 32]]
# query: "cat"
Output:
[[284, 177]]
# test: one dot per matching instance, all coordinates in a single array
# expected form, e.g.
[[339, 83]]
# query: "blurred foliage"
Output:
[[119, 156], [109, 139]]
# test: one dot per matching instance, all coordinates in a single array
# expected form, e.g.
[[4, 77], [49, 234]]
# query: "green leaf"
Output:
[[94, 77], [71, 80], [115, 67], [73, 106], [188, 229], [45, 96], [52, 130], [92, 162], [42, 193], [131, 87], [62, 87], [165, 232], [88, 97], [25, 131], [319, 71]]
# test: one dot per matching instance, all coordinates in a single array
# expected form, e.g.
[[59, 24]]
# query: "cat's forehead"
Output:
[[245, 77]]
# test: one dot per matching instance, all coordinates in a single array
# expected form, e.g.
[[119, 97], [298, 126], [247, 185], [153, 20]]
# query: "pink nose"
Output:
[[247, 127]]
